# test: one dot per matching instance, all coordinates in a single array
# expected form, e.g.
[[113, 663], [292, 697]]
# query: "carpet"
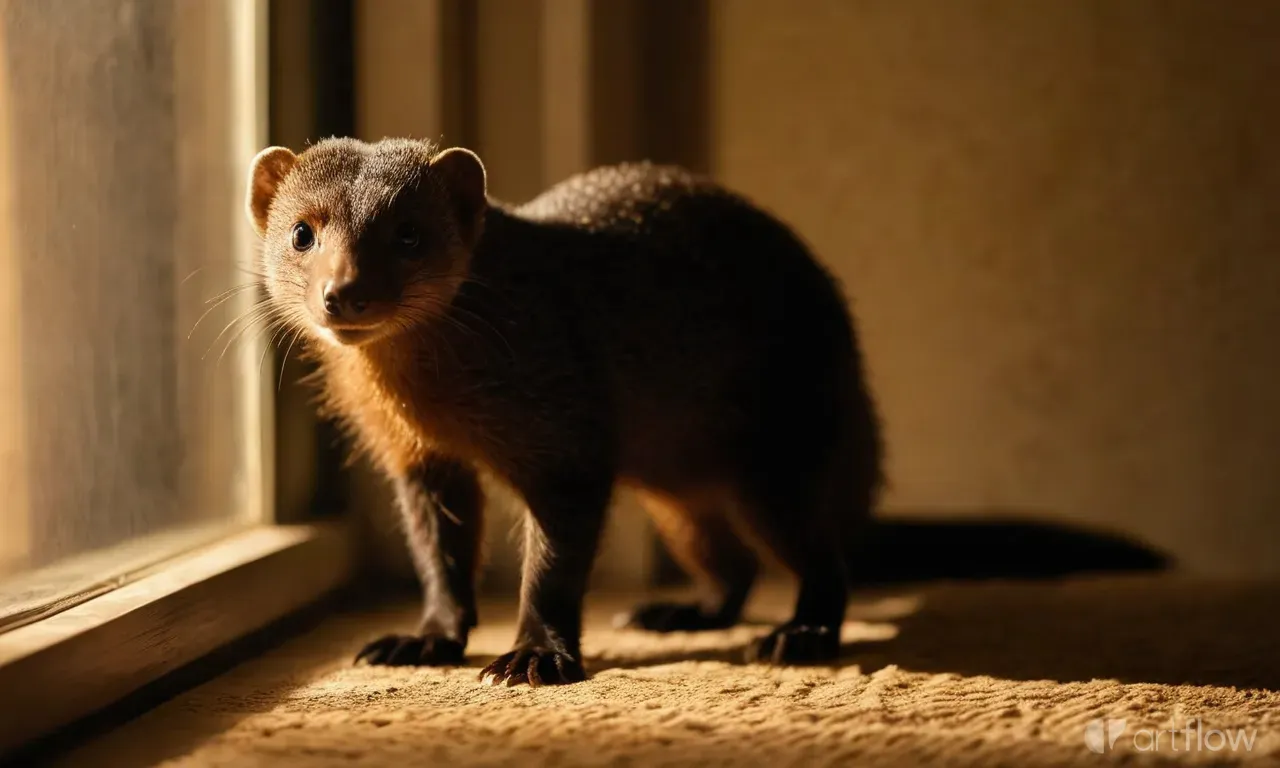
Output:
[[1088, 671]]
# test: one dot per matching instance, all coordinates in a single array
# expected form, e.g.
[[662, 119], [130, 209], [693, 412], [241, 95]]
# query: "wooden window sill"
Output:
[[76, 662]]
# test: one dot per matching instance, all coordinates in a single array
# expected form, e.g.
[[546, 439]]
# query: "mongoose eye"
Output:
[[303, 237], [407, 234]]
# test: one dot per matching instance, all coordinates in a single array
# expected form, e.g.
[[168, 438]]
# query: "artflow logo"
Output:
[[1100, 736]]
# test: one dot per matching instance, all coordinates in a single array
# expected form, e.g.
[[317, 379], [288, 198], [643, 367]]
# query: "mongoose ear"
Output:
[[463, 175], [267, 170]]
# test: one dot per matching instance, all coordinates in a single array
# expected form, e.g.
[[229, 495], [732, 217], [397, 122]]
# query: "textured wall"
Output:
[[1060, 222]]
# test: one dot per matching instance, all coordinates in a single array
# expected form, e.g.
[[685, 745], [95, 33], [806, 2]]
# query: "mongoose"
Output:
[[636, 325]]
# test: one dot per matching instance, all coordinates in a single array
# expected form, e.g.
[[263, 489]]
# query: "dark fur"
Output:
[[633, 325]]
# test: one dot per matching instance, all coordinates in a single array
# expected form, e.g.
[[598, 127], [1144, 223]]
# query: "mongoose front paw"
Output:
[[673, 617], [535, 666], [796, 644], [413, 651]]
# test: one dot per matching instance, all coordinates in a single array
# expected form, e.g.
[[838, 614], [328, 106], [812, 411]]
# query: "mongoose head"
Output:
[[362, 241]]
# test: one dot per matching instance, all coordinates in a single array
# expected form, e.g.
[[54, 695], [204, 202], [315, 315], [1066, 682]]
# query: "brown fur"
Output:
[[635, 324]]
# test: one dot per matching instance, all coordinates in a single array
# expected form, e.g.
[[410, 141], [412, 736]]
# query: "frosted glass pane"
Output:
[[122, 129]]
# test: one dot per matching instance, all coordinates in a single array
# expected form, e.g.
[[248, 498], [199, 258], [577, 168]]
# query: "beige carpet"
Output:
[[999, 674]]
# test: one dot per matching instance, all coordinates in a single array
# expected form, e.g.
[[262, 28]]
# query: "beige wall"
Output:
[[1061, 225]]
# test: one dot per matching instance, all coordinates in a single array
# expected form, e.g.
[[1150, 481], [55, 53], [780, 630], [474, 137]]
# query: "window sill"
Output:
[[85, 658]]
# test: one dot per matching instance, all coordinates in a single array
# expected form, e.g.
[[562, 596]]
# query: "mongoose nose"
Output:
[[338, 302]]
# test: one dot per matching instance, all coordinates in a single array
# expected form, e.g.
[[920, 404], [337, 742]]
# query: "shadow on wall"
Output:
[[979, 544]]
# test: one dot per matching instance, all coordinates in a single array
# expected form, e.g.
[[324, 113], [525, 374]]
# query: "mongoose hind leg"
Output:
[[792, 511], [697, 531]]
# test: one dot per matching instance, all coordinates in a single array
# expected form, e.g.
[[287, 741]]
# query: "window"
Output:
[[135, 448], [125, 435]]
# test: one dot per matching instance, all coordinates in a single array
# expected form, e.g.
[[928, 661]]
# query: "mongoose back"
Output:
[[635, 325]]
